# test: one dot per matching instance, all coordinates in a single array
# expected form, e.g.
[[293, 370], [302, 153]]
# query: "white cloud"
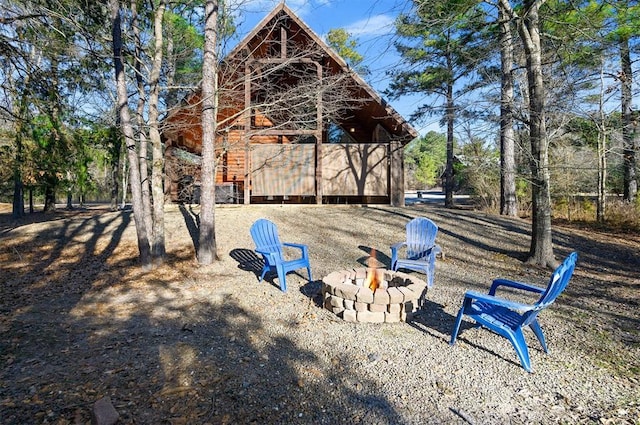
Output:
[[372, 26]]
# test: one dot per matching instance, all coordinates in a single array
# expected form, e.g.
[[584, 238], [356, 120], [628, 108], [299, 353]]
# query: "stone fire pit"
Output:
[[347, 294]]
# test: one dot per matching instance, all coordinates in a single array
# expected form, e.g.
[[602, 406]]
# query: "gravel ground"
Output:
[[210, 345]]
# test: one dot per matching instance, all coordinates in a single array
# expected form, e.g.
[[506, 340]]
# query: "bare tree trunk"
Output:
[[170, 97], [508, 199], [127, 130], [158, 249], [207, 240], [628, 127], [142, 135], [601, 153], [18, 186], [125, 179], [448, 191], [541, 250], [114, 164]]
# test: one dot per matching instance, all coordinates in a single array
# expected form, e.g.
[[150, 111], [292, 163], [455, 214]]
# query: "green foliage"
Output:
[[51, 155], [477, 172], [6, 172], [626, 17], [187, 45], [441, 45], [346, 46], [426, 157]]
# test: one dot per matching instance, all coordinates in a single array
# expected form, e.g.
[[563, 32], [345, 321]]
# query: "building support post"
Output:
[[318, 134], [396, 173], [247, 134]]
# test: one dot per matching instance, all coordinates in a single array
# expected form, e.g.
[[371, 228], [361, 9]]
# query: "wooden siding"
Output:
[[355, 170], [283, 170]]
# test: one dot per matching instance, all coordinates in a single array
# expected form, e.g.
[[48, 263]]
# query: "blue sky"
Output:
[[371, 22]]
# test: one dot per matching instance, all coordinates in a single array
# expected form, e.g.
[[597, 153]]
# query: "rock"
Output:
[[104, 413]]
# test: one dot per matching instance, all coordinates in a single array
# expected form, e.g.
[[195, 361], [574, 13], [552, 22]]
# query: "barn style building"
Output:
[[295, 125]]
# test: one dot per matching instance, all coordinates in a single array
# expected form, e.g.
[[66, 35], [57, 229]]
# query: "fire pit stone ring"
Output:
[[398, 295]]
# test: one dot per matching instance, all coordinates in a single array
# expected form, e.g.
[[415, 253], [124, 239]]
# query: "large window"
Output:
[[337, 134]]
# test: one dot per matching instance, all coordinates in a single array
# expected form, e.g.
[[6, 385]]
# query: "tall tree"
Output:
[[126, 126], [528, 25], [140, 112], [207, 240], [157, 167], [147, 64], [627, 14], [440, 46], [508, 198]]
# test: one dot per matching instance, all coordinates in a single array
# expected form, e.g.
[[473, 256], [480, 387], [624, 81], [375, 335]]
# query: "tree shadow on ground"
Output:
[[161, 354], [192, 221]]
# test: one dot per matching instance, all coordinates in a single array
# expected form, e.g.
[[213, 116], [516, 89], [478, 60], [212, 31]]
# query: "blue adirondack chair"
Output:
[[508, 318], [265, 236], [419, 249]]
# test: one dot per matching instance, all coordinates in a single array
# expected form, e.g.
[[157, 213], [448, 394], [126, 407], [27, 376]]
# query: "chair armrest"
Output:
[[502, 302], [268, 255], [397, 246], [514, 284], [302, 247]]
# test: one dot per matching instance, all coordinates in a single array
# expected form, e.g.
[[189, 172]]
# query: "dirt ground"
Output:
[[80, 320]]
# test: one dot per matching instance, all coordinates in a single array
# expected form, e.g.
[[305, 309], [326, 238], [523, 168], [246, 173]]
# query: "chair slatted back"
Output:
[[559, 280], [265, 236], [421, 235]]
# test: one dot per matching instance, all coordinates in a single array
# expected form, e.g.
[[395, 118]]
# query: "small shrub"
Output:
[[624, 215]]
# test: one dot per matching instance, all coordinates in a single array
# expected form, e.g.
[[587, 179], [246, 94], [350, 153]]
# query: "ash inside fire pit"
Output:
[[373, 295]]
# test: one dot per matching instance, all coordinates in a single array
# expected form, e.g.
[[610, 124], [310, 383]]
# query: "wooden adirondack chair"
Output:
[[265, 236], [508, 318], [419, 249]]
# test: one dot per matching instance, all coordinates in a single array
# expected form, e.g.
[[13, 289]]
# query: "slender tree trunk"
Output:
[[142, 135], [508, 199], [69, 199], [451, 117], [20, 110], [18, 189], [448, 192], [125, 178], [127, 130], [628, 126], [602, 154], [541, 250], [170, 98], [207, 240], [49, 197], [158, 249], [18, 186], [114, 163]]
